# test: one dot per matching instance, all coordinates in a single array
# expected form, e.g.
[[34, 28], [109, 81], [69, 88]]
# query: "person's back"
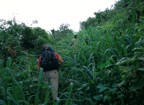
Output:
[[50, 71], [49, 60]]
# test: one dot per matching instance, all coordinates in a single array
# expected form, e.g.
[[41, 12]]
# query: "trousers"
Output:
[[52, 77]]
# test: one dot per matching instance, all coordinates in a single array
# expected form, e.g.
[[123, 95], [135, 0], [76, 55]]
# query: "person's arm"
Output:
[[39, 61], [59, 58]]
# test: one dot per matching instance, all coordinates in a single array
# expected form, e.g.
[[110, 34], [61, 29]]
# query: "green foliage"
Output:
[[104, 68], [27, 39], [42, 37], [62, 32], [16, 37]]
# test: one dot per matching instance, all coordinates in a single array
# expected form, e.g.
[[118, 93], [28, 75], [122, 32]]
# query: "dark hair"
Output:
[[46, 47]]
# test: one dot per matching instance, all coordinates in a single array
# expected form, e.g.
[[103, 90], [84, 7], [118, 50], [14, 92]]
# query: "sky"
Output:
[[50, 14]]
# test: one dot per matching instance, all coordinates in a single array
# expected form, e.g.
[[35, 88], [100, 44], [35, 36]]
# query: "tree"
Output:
[[28, 38], [42, 37], [62, 32]]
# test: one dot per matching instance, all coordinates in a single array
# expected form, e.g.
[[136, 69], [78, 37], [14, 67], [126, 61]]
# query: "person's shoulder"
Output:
[[55, 53]]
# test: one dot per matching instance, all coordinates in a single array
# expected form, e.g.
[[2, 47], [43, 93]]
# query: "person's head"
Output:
[[46, 47]]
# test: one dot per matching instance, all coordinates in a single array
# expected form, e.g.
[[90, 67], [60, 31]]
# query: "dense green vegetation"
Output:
[[105, 68]]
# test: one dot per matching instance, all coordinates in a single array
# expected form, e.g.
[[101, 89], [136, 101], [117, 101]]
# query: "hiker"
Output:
[[74, 41], [50, 62]]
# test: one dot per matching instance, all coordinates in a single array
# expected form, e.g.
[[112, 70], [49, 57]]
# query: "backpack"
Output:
[[49, 60]]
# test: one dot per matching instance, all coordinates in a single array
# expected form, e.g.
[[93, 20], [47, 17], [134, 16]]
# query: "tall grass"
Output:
[[105, 68], [100, 65], [22, 87]]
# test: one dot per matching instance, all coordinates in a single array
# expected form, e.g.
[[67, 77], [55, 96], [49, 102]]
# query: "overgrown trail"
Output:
[[104, 68]]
